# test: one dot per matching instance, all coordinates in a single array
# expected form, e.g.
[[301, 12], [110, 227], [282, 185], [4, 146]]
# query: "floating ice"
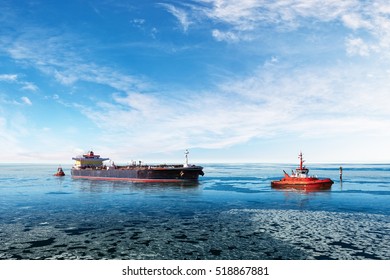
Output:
[[233, 234]]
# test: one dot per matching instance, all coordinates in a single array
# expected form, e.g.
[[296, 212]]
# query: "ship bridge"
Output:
[[89, 160]]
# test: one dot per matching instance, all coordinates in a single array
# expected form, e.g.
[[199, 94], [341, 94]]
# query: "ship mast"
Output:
[[186, 155]]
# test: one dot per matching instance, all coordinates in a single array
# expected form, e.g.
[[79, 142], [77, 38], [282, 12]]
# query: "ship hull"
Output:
[[156, 175], [306, 184]]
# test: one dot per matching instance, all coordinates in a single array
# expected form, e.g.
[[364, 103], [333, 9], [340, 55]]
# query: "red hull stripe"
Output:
[[322, 185], [303, 186], [134, 179]]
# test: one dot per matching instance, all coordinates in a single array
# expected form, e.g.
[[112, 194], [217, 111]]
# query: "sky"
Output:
[[232, 81]]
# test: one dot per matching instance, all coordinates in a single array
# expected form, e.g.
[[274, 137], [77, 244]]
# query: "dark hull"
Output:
[[141, 174]]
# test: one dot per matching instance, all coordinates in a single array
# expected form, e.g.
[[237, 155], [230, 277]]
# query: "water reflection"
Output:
[[304, 199], [95, 186]]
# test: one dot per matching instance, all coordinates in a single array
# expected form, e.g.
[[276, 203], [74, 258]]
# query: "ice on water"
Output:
[[233, 234], [232, 214]]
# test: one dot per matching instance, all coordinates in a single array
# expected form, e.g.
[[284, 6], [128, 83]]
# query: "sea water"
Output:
[[233, 213]]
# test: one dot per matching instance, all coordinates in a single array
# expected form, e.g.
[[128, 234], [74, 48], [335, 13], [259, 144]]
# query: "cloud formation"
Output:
[[15, 79], [179, 14], [369, 22], [8, 77], [310, 103], [26, 100], [257, 89]]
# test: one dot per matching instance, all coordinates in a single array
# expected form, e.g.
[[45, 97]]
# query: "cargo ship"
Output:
[[300, 179], [90, 166]]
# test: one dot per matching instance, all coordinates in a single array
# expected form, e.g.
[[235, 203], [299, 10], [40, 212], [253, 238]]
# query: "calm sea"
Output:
[[231, 214]]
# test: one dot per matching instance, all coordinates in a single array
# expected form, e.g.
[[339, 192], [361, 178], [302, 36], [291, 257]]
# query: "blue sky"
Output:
[[233, 81]]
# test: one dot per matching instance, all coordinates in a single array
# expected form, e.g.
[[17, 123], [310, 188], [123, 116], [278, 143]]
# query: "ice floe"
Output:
[[233, 234]]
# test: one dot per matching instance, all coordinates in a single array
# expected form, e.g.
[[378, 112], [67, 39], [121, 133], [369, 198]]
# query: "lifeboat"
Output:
[[300, 179], [60, 172]]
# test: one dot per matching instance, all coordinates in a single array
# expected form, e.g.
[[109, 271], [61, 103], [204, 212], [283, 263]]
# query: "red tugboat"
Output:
[[300, 179], [60, 172]]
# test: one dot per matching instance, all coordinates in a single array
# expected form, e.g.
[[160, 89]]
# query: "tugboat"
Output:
[[60, 172], [90, 166], [300, 179]]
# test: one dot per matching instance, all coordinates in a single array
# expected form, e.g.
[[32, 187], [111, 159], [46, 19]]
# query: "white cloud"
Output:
[[54, 56], [180, 14], [274, 100], [244, 20], [356, 46], [14, 78], [310, 102], [225, 36], [244, 12], [8, 77], [138, 22], [29, 86], [355, 21], [249, 14], [64, 78], [26, 100]]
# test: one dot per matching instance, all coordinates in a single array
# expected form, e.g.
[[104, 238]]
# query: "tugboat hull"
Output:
[[307, 184]]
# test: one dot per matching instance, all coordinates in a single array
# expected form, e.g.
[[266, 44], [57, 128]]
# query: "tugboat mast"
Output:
[[300, 161]]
